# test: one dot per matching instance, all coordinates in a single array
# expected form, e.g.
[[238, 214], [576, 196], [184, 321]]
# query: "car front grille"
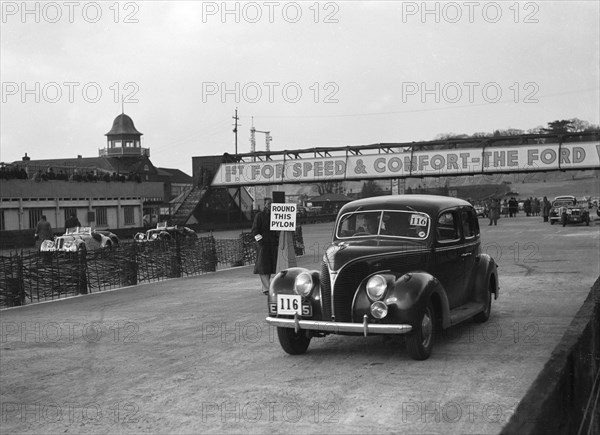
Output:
[[345, 288], [575, 212], [325, 291]]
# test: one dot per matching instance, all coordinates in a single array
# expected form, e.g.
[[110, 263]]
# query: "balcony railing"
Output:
[[120, 151]]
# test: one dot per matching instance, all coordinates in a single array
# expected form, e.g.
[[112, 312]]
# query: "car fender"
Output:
[[48, 245], [486, 268], [406, 296]]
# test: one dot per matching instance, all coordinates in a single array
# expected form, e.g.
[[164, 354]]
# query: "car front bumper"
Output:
[[365, 327]]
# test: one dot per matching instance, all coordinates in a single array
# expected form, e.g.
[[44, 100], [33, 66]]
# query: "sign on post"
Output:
[[283, 217]]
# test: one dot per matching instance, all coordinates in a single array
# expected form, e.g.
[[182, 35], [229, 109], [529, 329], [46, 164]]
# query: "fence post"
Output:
[[178, 266], [82, 276], [20, 280]]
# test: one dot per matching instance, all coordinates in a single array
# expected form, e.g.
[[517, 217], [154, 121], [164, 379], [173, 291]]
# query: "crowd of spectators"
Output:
[[12, 172]]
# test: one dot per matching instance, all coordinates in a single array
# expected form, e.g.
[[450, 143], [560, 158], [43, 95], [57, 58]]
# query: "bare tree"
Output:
[[330, 187], [370, 188]]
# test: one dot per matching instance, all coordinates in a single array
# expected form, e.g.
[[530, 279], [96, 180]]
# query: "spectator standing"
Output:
[[267, 242], [43, 231], [72, 221], [536, 206], [494, 211], [513, 206], [527, 206], [546, 206]]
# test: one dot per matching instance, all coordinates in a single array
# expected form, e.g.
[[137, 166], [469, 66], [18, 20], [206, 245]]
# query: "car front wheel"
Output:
[[485, 314], [292, 342], [419, 343]]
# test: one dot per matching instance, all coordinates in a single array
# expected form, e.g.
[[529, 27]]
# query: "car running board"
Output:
[[462, 313]]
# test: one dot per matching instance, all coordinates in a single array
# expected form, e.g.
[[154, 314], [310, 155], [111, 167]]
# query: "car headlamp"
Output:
[[303, 284], [376, 286], [379, 310]]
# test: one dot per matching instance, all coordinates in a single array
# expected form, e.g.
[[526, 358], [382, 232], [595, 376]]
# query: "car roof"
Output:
[[430, 204]]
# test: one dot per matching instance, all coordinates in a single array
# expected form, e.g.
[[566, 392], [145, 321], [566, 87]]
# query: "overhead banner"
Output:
[[440, 163]]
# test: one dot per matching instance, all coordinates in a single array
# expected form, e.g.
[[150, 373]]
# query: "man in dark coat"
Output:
[[494, 213], [546, 206], [43, 231], [72, 221], [513, 206], [267, 242]]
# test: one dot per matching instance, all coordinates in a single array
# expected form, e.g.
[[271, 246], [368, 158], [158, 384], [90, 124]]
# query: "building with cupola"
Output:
[[119, 189]]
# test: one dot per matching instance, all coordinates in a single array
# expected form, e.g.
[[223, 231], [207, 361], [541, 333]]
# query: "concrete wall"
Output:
[[53, 197], [561, 399]]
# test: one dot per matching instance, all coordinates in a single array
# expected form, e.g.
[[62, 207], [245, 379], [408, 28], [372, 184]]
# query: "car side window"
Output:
[[447, 227], [470, 223]]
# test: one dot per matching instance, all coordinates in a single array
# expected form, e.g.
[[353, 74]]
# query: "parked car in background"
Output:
[[481, 211], [80, 239], [398, 265], [164, 232], [150, 219], [567, 210]]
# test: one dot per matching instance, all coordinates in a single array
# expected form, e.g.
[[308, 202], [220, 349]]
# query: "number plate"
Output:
[[292, 304]]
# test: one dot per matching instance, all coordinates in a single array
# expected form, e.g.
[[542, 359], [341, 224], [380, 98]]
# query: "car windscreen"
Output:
[[562, 203], [386, 223]]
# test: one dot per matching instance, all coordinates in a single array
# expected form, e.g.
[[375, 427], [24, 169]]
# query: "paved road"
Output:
[[194, 355]]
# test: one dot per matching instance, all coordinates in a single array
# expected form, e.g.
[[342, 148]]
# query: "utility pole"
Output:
[[235, 132]]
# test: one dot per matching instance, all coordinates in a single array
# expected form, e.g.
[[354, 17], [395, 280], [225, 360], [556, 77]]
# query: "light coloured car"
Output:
[[79, 239], [164, 232]]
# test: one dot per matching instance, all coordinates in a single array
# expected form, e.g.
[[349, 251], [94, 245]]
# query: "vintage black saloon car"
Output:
[[407, 264]]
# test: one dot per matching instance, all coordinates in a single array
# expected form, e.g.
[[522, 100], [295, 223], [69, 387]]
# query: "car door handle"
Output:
[[466, 254]]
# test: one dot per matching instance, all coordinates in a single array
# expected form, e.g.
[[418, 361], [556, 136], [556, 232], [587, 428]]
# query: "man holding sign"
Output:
[[266, 246]]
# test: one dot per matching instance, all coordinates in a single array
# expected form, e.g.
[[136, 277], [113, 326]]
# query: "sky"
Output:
[[313, 74]]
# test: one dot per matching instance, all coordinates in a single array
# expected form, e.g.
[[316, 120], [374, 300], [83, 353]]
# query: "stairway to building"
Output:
[[246, 203], [187, 207]]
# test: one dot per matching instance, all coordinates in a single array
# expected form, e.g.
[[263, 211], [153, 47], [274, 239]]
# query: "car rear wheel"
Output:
[[419, 343], [292, 342], [485, 314]]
